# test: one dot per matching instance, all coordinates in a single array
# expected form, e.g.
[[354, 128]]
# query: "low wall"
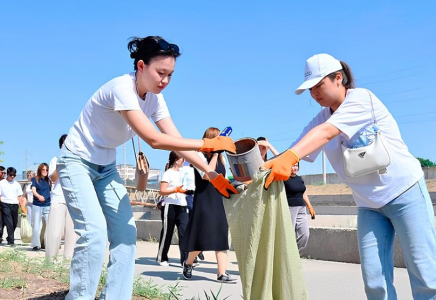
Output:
[[334, 244], [333, 178]]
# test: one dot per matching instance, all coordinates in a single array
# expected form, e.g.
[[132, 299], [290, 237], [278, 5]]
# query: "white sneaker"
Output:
[[164, 263]]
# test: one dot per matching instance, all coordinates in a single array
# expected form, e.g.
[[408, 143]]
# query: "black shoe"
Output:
[[226, 278], [201, 256], [36, 248], [195, 263], [187, 271]]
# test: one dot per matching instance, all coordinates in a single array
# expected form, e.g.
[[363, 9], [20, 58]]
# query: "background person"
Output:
[[28, 195], [10, 197], [394, 202], [298, 201], [2, 225], [59, 219], [264, 147], [208, 229], [96, 197], [174, 212], [41, 187]]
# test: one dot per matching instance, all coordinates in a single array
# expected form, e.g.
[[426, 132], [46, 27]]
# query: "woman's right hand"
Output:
[[41, 198], [223, 185], [180, 190], [218, 143]]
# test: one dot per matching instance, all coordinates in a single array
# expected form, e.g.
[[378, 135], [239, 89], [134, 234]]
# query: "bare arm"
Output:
[[309, 206], [38, 196], [157, 140], [315, 139], [164, 191], [167, 126], [54, 176]]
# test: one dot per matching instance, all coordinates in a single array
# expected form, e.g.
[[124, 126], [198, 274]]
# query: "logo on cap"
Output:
[[307, 73]]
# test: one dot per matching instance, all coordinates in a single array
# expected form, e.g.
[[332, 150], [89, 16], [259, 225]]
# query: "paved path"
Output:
[[324, 280]]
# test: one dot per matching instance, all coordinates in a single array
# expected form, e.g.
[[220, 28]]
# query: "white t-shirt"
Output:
[[29, 193], [10, 191], [174, 179], [101, 128], [351, 118], [56, 194]]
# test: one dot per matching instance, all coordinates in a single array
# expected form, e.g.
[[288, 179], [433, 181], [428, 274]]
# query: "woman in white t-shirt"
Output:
[[392, 201], [28, 195], [97, 200], [175, 208]]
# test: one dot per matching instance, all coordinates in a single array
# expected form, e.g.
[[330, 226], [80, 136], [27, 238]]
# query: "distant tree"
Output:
[[1, 152], [426, 162]]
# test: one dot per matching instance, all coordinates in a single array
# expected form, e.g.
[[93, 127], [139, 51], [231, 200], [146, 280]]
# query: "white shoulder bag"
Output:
[[368, 159]]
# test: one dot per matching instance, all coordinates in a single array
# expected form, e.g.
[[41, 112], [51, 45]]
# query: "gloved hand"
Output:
[[218, 143], [223, 185], [281, 167], [180, 190], [311, 211]]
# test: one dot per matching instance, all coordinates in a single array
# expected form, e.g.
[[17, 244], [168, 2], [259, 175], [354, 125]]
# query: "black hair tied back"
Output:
[[147, 48]]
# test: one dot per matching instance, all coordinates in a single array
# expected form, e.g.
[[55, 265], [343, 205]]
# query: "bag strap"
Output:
[[139, 145], [372, 107], [134, 150]]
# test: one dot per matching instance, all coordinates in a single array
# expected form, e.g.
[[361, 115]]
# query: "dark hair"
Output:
[[62, 140], [261, 138], [147, 48], [11, 170], [347, 76], [2, 168], [172, 158]]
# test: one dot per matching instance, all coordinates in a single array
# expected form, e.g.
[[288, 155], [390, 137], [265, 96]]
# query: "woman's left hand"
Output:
[[311, 211]]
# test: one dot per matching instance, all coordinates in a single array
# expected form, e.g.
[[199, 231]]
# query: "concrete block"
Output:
[[340, 245]]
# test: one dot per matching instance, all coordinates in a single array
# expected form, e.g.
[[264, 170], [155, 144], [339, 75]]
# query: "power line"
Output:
[[394, 78], [407, 99], [393, 72], [400, 92]]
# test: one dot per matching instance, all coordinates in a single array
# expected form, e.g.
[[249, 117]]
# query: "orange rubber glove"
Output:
[[223, 186], [281, 167], [180, 190], [311, 211], [218, 143]]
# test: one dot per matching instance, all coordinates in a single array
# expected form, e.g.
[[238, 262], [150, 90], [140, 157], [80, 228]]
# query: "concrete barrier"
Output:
[[340, 245]]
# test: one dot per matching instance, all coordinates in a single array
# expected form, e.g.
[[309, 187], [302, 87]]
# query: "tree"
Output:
[[1, 152], [426, 162]]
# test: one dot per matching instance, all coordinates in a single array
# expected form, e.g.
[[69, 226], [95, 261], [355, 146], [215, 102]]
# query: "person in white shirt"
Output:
[[10, 197], [2, 225], [28, 195], [392, 201], [59, 219], [96, 197], [174, 210]]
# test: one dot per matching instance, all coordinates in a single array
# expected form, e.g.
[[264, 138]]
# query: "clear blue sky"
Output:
[[241, 62]]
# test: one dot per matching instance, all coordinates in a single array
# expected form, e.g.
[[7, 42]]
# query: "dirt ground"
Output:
[[342, 189]]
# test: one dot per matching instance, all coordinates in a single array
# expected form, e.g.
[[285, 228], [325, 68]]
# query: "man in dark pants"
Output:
[[10, 197]]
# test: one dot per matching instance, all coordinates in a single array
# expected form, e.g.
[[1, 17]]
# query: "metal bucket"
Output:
[[247, 159]]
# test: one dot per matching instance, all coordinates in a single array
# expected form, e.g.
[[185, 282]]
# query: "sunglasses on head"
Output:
[[164, 45], [12, 175]]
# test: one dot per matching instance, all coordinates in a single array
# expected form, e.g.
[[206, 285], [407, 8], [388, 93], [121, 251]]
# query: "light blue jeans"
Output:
[[411, 217], [100, 208], [38, 212]]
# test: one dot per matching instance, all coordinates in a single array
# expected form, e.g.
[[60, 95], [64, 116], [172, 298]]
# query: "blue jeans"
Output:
[[100, 208], [411, 217], [38, 212]]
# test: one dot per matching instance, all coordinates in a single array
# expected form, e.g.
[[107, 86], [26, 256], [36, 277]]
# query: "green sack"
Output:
[[264, 241], [25, 230]]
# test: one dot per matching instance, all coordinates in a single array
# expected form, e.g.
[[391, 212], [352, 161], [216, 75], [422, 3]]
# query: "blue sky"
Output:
[[241, 62]]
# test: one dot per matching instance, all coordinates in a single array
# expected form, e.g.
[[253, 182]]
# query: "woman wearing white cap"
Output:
[[391, 200]]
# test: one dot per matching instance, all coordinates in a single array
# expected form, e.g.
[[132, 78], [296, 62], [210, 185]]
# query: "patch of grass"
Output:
[[12, 283]]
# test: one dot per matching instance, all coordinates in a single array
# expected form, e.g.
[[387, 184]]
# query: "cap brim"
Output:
[[307, 85]]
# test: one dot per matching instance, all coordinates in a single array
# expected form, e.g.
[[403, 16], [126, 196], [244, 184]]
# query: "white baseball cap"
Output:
[[318, 67]]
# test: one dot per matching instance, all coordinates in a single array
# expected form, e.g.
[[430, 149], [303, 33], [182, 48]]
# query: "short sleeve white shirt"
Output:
[[353, 116], [56, 194], [10, 191], [188, 179], [101, 128], [174, 179]]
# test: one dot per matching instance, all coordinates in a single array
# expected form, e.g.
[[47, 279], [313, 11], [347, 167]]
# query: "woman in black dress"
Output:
[[207, 228]]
